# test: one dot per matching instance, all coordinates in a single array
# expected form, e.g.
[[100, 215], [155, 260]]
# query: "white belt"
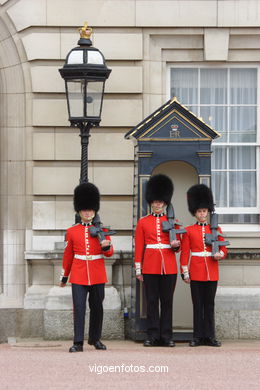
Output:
[[158, 246], [201, 254], [90, 257]]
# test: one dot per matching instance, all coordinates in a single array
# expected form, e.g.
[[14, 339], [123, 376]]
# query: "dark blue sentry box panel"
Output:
[[171, 133]]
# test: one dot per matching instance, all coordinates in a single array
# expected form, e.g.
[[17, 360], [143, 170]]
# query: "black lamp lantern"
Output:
[[85, 73]]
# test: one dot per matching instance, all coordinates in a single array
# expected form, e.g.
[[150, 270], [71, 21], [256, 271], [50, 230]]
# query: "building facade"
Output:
[[204, 52]]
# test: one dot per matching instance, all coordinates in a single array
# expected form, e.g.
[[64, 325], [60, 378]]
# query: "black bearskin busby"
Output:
[[159, 187], [200, 196], [86, 197]]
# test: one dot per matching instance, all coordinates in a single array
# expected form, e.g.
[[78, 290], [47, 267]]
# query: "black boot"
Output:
[[196, 342], [97, 344], [151, 343], [211, 342], [76, 347], [168, 343]]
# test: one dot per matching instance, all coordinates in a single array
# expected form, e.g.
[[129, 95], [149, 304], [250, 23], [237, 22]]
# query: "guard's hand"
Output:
[[186, 275], [218, 256], [175, 243], [140, 278], [62, 284], [105, 243]]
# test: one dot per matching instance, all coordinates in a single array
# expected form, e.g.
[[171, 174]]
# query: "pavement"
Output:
[[37, 365]]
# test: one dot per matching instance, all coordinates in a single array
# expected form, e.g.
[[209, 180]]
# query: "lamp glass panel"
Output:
[[94, 98], [95, 57], [75, 90], [75, 57]]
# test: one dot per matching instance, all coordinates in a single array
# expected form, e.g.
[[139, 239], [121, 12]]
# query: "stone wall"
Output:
[[40, 153]]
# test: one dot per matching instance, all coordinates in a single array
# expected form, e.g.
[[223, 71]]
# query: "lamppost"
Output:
[[85, 73]]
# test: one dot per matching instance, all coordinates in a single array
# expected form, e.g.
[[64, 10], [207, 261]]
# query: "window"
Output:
[[226, 99]]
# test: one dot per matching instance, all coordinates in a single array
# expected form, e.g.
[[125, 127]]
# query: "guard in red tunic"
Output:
[[83, 261], [199, 265], [155, 262]]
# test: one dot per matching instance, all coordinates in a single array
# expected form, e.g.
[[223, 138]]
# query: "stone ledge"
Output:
[[20, 323], [53, 324], [244, 254], [57, 254], [240, 324], [58, 324], [238, 298], [238, 312]]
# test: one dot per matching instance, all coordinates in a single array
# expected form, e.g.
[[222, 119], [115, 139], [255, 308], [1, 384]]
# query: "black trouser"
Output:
[[159, 288], [95, 300], [203, 298]]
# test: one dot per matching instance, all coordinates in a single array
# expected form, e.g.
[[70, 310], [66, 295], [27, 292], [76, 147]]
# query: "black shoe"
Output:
[[98, 344], [76, 348], [168, 343], [196, 342], [151, 343], [211, 342]]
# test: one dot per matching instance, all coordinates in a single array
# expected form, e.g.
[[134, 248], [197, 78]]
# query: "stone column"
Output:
[[13, 192]]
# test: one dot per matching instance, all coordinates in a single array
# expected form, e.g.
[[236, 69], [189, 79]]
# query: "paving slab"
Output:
[[34, 364]]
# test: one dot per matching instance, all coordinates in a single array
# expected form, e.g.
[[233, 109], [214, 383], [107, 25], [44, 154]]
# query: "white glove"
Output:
[[185, 272], [138, 270]]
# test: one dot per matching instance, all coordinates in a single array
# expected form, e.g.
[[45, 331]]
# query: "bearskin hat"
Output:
[[200, 196], [159, 187], [86, 197]]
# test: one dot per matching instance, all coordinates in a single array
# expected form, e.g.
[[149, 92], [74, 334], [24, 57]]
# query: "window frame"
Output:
[[256, 144]]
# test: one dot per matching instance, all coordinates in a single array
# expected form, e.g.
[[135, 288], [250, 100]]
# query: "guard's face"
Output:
[[87, 215], [157, 206], [201, 215]]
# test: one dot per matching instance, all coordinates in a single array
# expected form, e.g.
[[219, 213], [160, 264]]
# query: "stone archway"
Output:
[[13, 168]]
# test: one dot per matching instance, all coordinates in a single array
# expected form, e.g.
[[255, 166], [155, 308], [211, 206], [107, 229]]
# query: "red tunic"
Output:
[[200, 268], [80, 242], [154, 261]]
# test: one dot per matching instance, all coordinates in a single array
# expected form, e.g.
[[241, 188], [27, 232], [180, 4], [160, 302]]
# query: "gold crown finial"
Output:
[[85, 31]]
